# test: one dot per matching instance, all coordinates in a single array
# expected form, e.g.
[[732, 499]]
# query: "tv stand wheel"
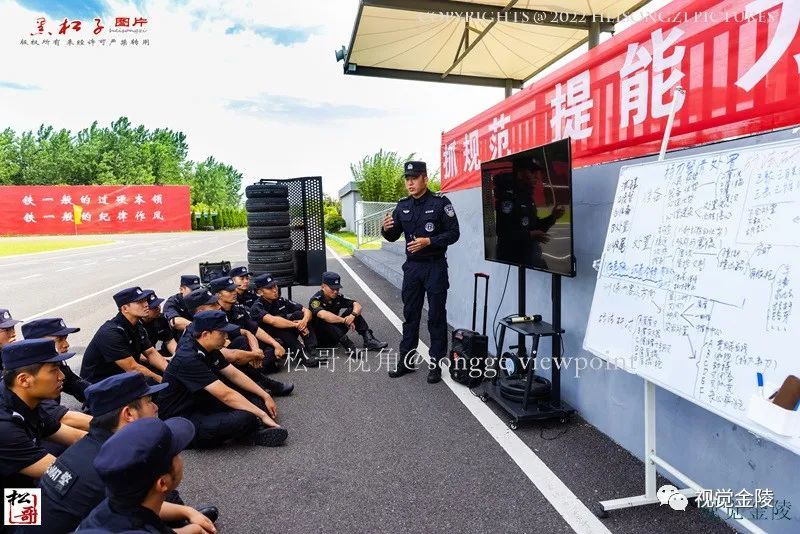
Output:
[[484, 398], [513, 425]]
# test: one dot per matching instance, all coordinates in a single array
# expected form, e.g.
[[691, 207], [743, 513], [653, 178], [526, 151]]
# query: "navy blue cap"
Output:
[[6, 320], [223, 283], [131, 460], [131, 294], [190, 280], [31, 351], [332, 279], [198, 298], [153, 301], [51, 326], [117, 391], [206, 321], [240, 271], [264, 280], [415, 168]]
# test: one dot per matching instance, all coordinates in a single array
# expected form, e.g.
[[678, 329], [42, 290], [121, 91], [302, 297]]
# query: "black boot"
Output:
[[275, 388], [371, 342], [404, 366], [435, 374], [349, 347], [307, 357]]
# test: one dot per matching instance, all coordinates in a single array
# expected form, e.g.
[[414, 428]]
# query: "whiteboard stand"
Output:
[[651, 460]]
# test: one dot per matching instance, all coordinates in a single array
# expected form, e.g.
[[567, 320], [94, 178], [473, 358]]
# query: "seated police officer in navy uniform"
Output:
[[71, 487], [157, 327], [250, 337], [139, 465], [175, 310], [8, 331], [286, 320], [334, 315], [241, 277], [219, 412], [429, 224], [119, 343], [55, 329], [31, 374]]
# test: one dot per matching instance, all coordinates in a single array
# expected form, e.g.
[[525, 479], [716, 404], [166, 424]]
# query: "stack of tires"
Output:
[[269, 244]]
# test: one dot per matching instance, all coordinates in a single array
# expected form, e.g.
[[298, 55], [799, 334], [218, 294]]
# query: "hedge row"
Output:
[[219, 219]]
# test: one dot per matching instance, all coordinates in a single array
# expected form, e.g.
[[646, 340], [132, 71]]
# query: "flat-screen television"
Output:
[[527, 209]]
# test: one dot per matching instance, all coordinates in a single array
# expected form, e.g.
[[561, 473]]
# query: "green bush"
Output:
[[333, 222], [194, 220]]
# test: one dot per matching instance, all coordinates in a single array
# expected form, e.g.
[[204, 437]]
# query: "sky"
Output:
[[253, 83]]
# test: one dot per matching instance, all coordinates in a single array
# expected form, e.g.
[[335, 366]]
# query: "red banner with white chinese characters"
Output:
[[102, 209], [737, 60]]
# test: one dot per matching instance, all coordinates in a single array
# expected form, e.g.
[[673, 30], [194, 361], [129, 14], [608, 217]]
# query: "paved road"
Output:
[[365, 453]]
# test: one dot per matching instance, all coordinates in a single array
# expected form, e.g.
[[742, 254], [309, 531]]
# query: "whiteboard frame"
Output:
[[790, 444]]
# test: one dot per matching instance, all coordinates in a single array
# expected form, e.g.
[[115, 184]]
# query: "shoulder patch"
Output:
[[448, 209], [315, 303]]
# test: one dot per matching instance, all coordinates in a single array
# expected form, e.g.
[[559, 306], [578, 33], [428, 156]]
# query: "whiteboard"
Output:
[[698, 285]]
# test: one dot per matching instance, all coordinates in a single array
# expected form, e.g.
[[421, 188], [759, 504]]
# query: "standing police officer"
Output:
[[429, 224]]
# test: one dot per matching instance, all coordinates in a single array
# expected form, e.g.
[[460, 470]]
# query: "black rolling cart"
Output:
[[528, 406]]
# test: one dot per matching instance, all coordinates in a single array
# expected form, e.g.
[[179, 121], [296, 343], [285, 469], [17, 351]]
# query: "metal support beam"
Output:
[[594, 34], [509, 88], [575, 21], [398, 74]]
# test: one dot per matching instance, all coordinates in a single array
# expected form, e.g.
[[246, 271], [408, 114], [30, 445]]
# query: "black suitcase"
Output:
[[468, 348], [210, 270]]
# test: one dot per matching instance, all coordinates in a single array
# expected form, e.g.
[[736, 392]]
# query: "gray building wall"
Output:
[[712, 451], [349, 196]]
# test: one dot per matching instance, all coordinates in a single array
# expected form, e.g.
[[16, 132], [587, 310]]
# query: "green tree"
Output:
[[380, 176]]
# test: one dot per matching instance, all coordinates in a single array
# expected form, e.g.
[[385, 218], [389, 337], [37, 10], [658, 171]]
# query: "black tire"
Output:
[[268, 245], [259, 268], [266, 204], [269, 232], [267, 218], [282, 256], [274, 267], [274, 190]]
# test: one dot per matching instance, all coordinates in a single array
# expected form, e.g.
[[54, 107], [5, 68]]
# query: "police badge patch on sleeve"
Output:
[[315, 303], [449, 210]]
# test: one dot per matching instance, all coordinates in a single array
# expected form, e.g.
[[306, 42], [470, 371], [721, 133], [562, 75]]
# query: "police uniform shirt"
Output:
[[175, 306], [71, 487], [238, 315], [158, 330], [116, 517], [320, 302], [22, 430], [115, 340], [190, 371], [247, 298], [280, 307], [432, 216]]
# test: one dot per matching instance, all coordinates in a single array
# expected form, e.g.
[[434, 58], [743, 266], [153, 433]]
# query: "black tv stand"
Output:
[[530, 409]]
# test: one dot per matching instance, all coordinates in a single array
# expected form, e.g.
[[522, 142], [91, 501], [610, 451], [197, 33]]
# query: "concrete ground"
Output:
[[365, 453]]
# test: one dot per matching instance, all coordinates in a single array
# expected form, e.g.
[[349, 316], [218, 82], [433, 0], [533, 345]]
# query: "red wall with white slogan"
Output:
[[739, 68], [105, 209]]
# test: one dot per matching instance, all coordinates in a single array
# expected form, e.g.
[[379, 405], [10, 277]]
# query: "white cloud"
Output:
[[247, 99]]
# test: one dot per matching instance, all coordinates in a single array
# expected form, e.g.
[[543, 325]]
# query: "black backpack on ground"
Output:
[[468, 348]]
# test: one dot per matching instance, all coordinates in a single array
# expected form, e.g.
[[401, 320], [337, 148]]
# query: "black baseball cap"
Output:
[[117, 391], [415, 168], [190, 280], [264, 280], [199, 297], [153, 301], [331, 279], [51, 326], [207, 321], [131, 294], [131, 460], [223, 283], [240, 271], [31, 351], [6, 320]]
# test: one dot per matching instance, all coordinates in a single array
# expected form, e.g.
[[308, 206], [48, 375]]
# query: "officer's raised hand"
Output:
[[388, 221], [418, 244]]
